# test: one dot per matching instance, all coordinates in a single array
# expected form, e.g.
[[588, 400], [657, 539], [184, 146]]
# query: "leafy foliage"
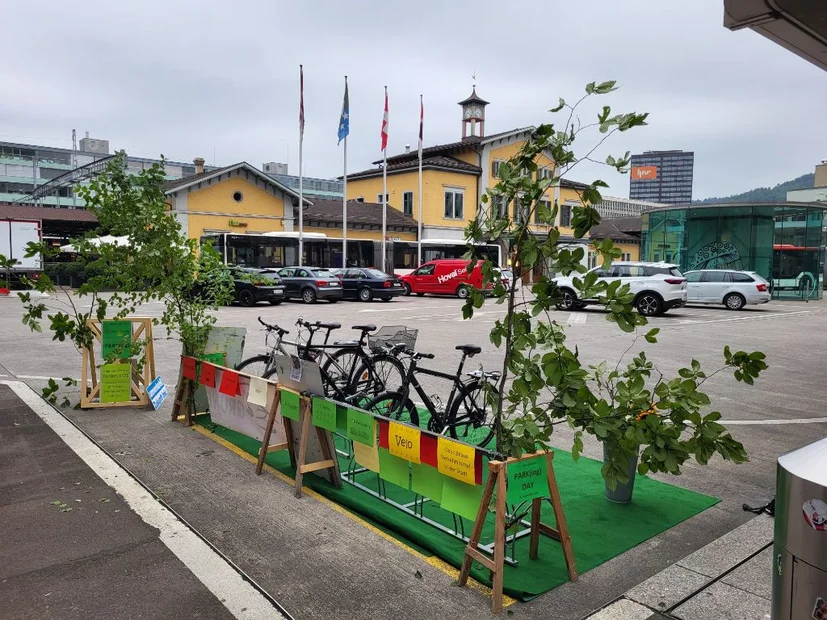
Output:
[[153, 260], [544, 382]]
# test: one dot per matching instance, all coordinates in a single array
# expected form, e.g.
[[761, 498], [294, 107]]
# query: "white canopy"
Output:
[[97, 241]]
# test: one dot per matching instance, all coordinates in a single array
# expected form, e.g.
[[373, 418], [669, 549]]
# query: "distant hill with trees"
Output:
[[765, 194]]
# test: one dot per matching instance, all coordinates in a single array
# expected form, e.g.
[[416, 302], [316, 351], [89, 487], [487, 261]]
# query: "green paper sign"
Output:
[[393, 469], [461, 498], [360, 427], [341, 420], [216, 359], [289, 405], [427, 481], [115, 383], [526, 480], [324, 414], [116, 339]]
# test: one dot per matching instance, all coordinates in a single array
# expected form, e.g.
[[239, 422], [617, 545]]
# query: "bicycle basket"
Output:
[[390, 335]]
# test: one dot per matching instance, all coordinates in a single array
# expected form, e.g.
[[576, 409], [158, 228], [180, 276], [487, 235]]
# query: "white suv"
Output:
[[657, 287]]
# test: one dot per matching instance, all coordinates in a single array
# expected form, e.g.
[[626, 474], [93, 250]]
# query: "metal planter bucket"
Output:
[[622, 494]]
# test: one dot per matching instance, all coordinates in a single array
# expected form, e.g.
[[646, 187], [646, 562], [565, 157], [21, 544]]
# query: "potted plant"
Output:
[[647, 424]]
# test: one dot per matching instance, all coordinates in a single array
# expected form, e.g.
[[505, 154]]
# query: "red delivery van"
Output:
[[448, 276]]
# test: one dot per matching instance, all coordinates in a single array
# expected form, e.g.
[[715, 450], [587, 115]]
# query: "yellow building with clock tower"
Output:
[[456, 175]]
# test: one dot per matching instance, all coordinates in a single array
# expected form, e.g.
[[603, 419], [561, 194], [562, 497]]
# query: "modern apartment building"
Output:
[[25, 167], [664, 177], [612, 207]]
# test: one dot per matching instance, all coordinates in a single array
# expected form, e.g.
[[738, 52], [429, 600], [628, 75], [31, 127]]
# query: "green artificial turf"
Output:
[[599, 529]]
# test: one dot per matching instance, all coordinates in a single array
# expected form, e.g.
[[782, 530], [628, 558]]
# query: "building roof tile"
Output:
[[31, 212], [366, 213]]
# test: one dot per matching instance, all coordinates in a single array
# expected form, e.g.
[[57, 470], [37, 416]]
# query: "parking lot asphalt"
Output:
[[783, 411]]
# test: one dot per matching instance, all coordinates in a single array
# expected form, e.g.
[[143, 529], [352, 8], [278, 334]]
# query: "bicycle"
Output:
[[349, 374], [466, 415]]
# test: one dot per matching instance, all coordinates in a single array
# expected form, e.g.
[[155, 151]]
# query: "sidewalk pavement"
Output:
[[730, 578], [74, 547]]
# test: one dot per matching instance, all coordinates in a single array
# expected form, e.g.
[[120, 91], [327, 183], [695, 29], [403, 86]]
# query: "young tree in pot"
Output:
[[544, 382]]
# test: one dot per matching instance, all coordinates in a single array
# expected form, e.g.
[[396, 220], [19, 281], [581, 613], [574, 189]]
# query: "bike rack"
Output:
[[350, 473]]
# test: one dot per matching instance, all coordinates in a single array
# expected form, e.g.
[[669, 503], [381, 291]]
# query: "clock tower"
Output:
[[473, 113]]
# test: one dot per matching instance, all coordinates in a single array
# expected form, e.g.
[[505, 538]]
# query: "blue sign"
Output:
[[157, 393]]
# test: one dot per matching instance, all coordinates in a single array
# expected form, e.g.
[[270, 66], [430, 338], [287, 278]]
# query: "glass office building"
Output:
[[783, 242]]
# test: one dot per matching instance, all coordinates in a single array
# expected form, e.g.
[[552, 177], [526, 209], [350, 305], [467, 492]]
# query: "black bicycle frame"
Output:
[[456, 384]]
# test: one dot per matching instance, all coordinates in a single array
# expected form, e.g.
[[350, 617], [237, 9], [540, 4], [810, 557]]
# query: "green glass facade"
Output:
[[784, 242]]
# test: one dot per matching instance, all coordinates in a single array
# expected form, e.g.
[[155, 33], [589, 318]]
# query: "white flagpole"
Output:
[[385, 200], [344, 211], [419, 222], [301, 179], [344, 186]]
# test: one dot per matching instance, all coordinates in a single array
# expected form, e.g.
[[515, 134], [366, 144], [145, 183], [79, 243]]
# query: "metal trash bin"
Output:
[[799, 576]]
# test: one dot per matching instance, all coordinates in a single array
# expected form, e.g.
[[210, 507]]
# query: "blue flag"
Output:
[[344, 121]]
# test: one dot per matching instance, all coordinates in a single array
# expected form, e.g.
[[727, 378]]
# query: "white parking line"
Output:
[[576, 318], [228, 586], [755, 317], [775, 422]]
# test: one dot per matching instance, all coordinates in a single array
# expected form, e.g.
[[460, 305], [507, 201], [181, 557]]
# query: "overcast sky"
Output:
[[220, 79]]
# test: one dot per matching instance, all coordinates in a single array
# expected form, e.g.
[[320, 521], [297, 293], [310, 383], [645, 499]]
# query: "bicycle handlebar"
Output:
[[273, 328]]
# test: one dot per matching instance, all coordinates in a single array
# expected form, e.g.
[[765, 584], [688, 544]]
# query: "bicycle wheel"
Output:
[[471, 418], [338, 367], [376, 374], [256, 366], [395, 406]]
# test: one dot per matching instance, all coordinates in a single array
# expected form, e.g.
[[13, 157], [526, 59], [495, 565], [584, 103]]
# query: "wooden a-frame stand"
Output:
[[299, 461], [184, 403], [496, 482], [138, 381]]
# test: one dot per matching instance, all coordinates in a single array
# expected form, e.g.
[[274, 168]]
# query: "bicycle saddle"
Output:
[[365, 328], [469, 349], [329, 325]]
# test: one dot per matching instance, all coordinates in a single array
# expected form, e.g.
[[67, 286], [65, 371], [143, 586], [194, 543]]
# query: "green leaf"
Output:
[[651, 335]]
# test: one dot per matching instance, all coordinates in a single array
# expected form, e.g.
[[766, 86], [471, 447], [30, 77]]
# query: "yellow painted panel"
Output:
[[434, 183], [198, 223], [218, 198]]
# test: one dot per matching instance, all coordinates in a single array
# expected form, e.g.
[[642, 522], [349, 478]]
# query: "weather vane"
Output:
[[474, 79]]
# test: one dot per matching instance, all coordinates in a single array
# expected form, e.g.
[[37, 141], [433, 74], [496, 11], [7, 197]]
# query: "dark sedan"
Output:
[[310, 284], [366, 284], [255, 285]]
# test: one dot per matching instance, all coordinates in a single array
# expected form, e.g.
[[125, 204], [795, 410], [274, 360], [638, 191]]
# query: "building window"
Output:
[[545, 173], [238, 196], [453, 204], [565, 215], [407, 203], [500, 207], [379, 198], [360, 199], [520, 210], [544, 205], [495, 168]]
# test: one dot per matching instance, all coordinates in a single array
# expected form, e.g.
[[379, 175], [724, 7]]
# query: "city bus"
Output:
[[281, 249]]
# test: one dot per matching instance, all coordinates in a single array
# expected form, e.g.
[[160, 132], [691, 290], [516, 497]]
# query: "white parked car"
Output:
[[657, 287], [733, 289]]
